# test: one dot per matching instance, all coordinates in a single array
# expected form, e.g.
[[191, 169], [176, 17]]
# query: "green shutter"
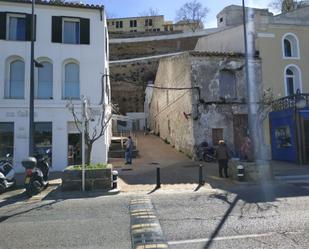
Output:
[[84, 31], [2, 25], [57, 29], [28, 27]]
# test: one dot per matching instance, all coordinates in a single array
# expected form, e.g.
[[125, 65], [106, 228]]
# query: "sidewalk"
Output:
[[177, 171], [288, 169]]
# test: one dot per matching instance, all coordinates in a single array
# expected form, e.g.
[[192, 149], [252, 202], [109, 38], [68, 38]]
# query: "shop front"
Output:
[[289, 128]]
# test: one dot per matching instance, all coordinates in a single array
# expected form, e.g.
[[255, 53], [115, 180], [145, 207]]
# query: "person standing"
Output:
[[222, 154], [129, 149]]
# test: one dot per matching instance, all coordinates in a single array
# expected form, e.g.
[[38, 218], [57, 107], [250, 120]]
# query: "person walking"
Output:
[[129, 149], [222, 155]]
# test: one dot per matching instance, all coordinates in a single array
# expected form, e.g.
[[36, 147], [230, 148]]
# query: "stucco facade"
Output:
[[266, 37], [199, 104], [92, 61]]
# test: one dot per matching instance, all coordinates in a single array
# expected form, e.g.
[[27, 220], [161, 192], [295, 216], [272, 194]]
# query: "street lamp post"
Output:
[[31, 100]]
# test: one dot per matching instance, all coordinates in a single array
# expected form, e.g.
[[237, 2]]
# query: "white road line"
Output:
[[247, 236]]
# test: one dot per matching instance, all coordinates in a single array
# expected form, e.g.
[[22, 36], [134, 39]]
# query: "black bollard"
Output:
[[158, 178], [200, 174]]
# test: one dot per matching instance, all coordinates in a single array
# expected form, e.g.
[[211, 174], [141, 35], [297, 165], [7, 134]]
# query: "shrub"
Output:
[[90, 166]]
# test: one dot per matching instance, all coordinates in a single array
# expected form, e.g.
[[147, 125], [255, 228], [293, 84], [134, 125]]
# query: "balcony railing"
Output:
[[289, 102]]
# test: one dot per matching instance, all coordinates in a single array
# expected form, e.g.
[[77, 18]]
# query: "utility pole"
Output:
[[84, 100], [256, 130], [31, 100]]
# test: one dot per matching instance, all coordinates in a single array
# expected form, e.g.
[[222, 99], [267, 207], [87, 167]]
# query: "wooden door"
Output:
[[240, 123]]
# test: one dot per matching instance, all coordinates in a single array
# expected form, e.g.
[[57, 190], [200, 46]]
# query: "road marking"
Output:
[[152, 246], [247, 236]]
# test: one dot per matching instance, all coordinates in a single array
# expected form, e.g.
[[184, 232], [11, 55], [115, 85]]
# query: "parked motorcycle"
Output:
[[37, 171], [7, 174], [205, 152]]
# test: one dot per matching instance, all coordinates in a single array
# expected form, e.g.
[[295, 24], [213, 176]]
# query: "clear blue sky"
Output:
[[168, 8]]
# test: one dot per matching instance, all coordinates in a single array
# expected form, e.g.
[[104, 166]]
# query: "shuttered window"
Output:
[[70, 30], [16, 26]]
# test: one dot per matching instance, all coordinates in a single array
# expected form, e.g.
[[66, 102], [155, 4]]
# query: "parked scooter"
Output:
[[37, 171], [205, 152], [7, 174]]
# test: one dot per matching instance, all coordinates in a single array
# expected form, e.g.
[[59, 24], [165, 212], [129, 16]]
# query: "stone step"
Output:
[[121, 154]]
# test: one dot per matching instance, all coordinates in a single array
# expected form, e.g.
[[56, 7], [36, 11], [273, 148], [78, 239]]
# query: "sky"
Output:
[[168, 8]]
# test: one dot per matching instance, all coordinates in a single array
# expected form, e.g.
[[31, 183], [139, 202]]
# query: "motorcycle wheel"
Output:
[[29, 191], [2, 187], [208, 158]]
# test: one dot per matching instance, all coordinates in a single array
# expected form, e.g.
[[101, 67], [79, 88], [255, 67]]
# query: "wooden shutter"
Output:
[[84, 31], [57, 29], [2, 25], [28, 27]]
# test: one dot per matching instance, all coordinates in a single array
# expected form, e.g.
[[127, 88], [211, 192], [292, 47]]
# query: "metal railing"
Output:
[[289, 102]]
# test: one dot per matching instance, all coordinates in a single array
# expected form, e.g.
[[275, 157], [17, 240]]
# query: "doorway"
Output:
[[74, 149]]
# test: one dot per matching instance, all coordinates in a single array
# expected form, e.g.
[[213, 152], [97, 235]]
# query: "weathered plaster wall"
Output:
[[168, 106], [206, 109]]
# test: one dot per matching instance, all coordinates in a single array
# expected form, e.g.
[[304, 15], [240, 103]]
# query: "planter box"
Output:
[[94, 179]]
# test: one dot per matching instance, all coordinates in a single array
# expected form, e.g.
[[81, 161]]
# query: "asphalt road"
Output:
[[244, 217], [80, 222], [254, 217]]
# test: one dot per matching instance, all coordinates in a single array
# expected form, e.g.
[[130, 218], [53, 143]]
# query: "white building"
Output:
[[72, 45]]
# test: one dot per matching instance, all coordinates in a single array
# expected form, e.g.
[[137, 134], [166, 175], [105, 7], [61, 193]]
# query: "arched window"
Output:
[[16, 82], [290, 46], [45, 81], [292, 79], [71, 81]]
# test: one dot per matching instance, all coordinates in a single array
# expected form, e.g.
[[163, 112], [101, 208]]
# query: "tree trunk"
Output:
[[88, 153]]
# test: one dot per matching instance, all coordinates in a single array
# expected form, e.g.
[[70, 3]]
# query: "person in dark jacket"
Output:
[[128, 151], [222, 155]]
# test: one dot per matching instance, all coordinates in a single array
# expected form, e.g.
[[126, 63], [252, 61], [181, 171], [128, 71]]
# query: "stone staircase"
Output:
[[116, 150]]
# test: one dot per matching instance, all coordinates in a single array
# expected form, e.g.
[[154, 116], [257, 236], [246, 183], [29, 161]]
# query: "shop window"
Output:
[[6, 139], [43, 139]]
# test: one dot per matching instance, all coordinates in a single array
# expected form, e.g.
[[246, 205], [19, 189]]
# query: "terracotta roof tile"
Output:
[[64, 4]]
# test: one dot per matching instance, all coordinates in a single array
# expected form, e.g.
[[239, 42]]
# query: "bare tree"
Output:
[[193, 14], [100, 119], [150, 12], [286, 5]]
